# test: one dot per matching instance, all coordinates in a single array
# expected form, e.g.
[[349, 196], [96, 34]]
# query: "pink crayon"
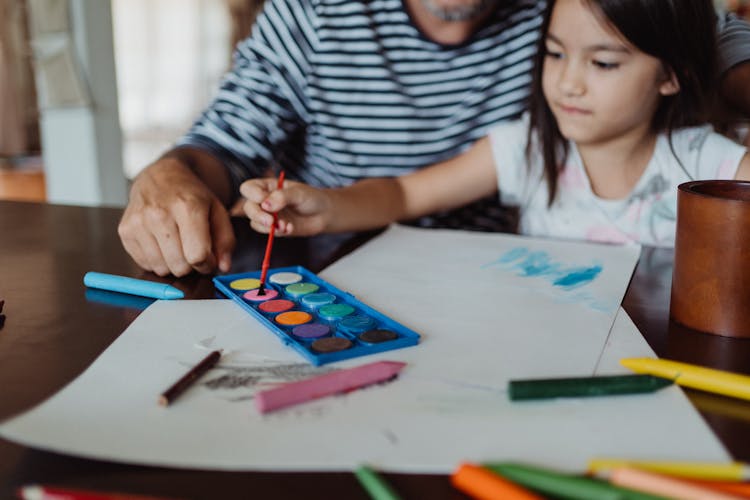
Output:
[[326, 385]]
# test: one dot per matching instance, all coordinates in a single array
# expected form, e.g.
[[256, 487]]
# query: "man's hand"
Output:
[[302, 210], [174, 223]]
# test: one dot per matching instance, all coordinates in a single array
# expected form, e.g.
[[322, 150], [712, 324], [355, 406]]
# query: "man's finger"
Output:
[[195, 237], [133, 248], [222, 236], [173, 249], [154, 259]]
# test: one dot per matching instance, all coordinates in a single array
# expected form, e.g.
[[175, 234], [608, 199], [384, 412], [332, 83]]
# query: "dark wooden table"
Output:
[[55, 329]]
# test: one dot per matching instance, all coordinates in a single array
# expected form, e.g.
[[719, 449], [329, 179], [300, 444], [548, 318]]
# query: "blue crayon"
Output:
[[133, 286]]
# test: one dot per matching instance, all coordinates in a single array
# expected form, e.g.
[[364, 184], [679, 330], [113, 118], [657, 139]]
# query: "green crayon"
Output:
[[584, 386], [564, 485], [377, 488]]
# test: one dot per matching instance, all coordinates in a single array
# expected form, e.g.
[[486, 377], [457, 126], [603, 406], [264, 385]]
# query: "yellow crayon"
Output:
[[694, 376], [714, 471]]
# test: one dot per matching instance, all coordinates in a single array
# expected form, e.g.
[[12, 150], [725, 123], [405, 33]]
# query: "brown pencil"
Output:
[[168, 396]]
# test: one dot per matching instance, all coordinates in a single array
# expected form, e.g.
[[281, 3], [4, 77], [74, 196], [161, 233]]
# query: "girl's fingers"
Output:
[[298, 207], [260, 228], [257, 190], [257, 215]]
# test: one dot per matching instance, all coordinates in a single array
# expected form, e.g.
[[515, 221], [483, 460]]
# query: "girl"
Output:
[[619, 87]]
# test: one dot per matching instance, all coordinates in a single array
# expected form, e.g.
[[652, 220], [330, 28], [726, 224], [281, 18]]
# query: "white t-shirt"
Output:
[[647, 215]]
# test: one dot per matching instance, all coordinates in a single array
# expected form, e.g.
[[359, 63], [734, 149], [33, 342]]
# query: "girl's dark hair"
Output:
[[680, 33]]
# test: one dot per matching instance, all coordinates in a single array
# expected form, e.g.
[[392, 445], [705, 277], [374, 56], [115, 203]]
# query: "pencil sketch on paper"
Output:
[[240, 382]]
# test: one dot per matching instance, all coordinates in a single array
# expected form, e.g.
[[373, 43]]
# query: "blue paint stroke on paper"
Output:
[[540, 264], [577, 277]]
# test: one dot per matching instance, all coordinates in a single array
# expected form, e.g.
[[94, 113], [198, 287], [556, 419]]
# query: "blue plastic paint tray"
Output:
[[322, 322]]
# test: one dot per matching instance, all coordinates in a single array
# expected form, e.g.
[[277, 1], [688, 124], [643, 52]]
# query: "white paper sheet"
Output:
[[449, 404], [491, 299]]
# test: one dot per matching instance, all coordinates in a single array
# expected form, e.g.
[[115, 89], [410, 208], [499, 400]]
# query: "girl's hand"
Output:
[[302, 210]]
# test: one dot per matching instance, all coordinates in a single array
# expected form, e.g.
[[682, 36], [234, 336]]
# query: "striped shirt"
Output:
[[333, 91], [336, 90]]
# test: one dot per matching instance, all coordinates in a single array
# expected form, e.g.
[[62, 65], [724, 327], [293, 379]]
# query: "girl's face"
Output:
[[598, 86]]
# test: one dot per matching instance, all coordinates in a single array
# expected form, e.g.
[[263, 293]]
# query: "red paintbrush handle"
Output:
[[267, 257], [269, 243]]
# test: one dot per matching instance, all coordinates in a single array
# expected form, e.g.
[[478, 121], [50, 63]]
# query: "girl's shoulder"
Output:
[[699, 138], [703, 153], [509, 138], [519, 175], [510, 134]]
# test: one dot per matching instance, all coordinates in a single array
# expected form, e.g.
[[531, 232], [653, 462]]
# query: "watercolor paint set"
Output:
[[322, 322]]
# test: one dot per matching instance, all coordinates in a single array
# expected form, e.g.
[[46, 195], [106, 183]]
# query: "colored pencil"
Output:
[[269, 244], [666, 486], [584, 386], [374, 484], [483, 484], [717, 471], [187, 380], [41, 492], [337, 382], [694, 376]]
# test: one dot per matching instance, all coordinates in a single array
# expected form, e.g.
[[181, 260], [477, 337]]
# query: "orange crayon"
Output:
[[484, 484], [734, 487]]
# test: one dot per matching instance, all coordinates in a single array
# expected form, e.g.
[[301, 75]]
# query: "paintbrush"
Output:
[[269, 244]]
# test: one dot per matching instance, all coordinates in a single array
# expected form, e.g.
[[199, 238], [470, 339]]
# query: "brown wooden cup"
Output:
[[711, 280]]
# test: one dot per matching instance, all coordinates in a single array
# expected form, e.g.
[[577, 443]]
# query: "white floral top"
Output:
[[646, 216]]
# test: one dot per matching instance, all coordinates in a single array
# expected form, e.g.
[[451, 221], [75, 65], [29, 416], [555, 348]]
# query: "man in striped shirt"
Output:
[[332, 91]]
